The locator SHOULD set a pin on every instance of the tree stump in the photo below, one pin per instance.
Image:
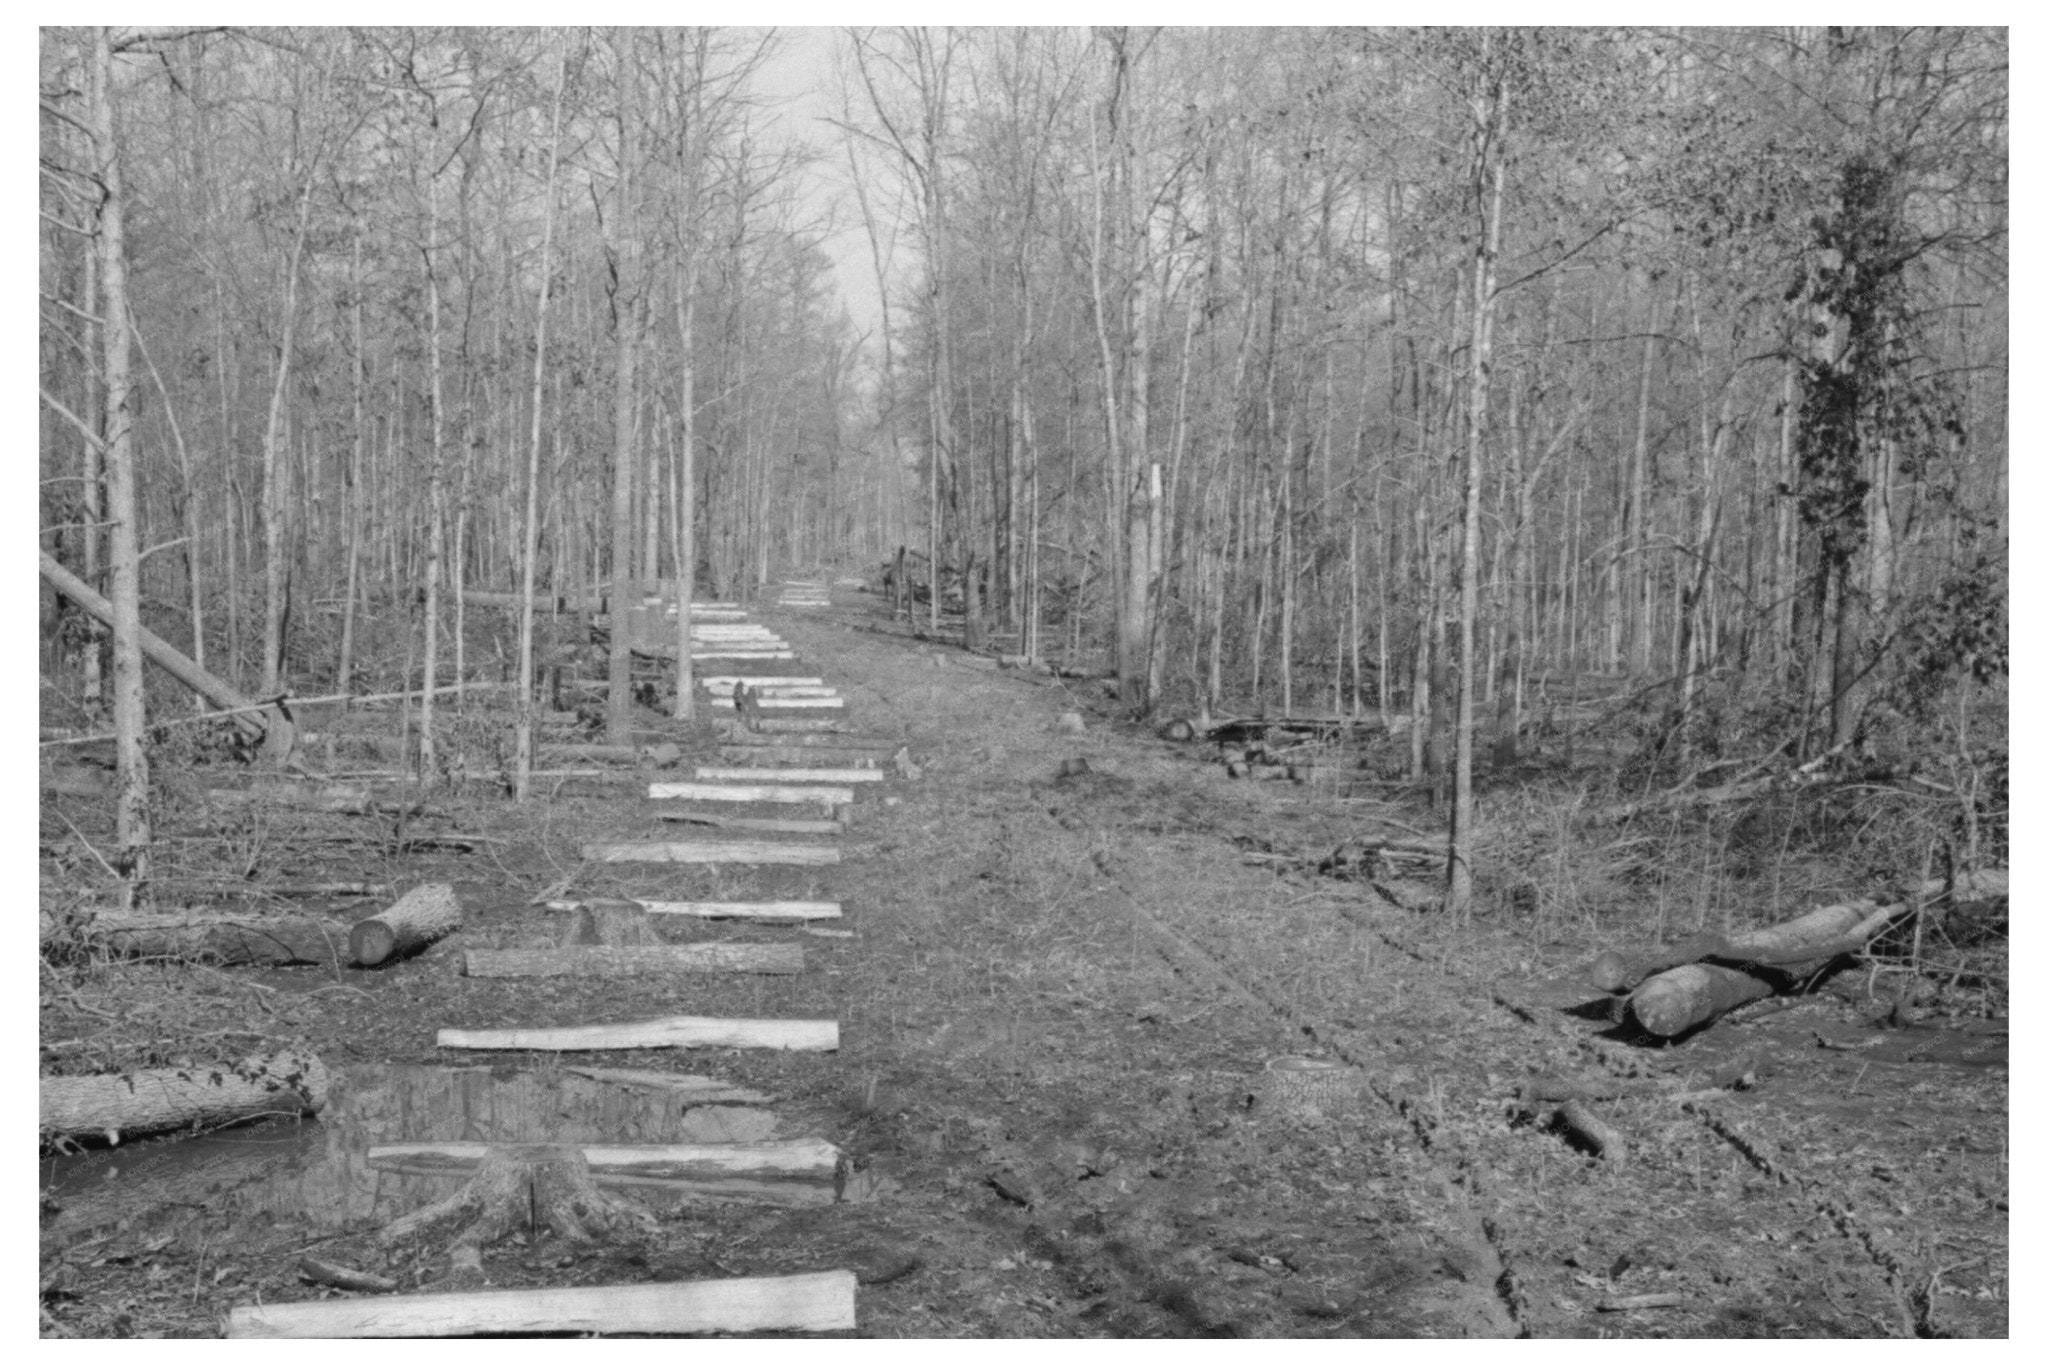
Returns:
(1310, 1090)
(523, 1189)
(610, 924)
(421, 916)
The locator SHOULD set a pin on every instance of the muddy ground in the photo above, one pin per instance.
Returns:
(1056, 1010)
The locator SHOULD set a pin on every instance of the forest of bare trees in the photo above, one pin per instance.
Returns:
(1374, 373)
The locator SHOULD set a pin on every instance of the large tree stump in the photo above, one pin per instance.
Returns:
(421, 916)
(1310, 1089)
(610, 924)
(523, 1188)
(172, 1097)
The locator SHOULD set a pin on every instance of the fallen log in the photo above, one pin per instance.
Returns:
(234, 940)
(668, 959)
(710, 851)
(819, 1302)
(290, 1082)
(790, 1035)
(275, 728)
(747, 910)
(794, 1171)
(1786, 944)
(1591, 1131)
(692, 1089)
(423, 915)
(753, 825)
(710, 790)
(781, 724)
(1781, 957)
(327, 798)
(725, 682)
(772, 760)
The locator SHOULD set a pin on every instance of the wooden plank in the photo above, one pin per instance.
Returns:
(695, 1089)
(796, 775)
(790, 1035)
(753, 654)
(773, 701)
(716, 791)
(766, 911)
(771, 762)
(714, 851)
(780, 959)
(723, 682)
(818, 1302)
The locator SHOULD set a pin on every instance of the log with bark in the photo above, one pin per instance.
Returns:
(235, 940)
(1746, 967)
(289, 1082)
(793, 1171)
(735, 735)
(424, 915)
(330, 798)
(791, 1035)
(709, 851)
(668, 959)
(818, 1302)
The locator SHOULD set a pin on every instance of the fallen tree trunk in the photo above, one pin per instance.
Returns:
(796, 1171)
(671, 958)
(329, 798)
(791, 1035)
(749, 910)
(1769, 960)
(820, 1302)
(423, 915)
(174, 1097)
(713, 791)
(709, 851)
(267, 718)
(208, 936)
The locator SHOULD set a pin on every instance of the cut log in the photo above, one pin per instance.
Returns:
(794, 1171)
(747, 910)
(781, 724)
(741, 655)
(707, 790)
(669, 959)
(207, 936)
(290, 1082)
(796, 775)
(725, 682)
(819, 1302)
(709, 851)
(427, 913)
(790, 1035)
(768, 762)
(693, 1089)
(1592, 1132)
(752, 825)
(1683, 998)
(733, 735)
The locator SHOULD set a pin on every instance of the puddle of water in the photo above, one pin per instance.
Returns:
(319, 1170)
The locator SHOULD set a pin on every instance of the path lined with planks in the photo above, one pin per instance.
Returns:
(809, 716)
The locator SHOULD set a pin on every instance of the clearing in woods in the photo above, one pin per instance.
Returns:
(1058, 987)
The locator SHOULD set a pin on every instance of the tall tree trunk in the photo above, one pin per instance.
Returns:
(625, 322)
(1490, 185)
(276, 580)
(131, 830)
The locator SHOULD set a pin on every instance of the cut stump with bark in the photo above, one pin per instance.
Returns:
(290, 1082)
(424, 915)
(1310, 1089)
(522, 1189)
(819, 1302)
(609, 924)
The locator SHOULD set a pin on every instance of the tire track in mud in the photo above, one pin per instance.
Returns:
(1459, 1182)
